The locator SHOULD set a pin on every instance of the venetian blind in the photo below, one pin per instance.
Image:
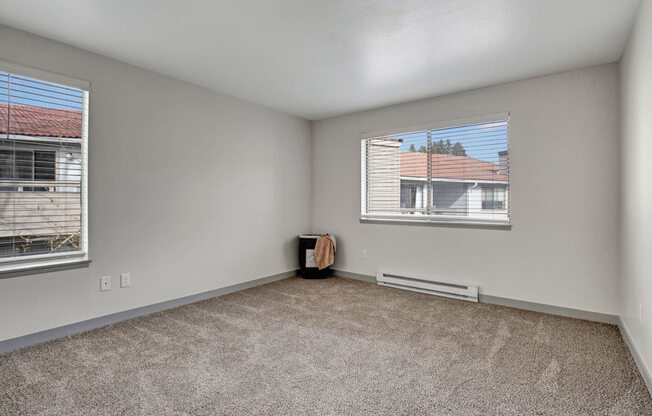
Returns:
(457, 173)
(42, 165)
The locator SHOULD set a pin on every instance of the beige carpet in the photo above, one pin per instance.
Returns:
(335, 346)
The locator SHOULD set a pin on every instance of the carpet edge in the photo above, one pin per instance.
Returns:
(23, 341)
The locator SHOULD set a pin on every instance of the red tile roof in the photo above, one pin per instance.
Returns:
(44, 122)
(415, 165)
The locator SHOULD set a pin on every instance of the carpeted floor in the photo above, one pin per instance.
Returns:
(334, 346)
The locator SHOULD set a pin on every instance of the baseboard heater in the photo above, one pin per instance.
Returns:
(415, 284)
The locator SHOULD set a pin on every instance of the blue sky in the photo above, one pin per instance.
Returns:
(27, 91)
(481, 141)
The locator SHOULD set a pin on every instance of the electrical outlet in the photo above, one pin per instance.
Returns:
(105, 283)
(364, 253)
(125, 280)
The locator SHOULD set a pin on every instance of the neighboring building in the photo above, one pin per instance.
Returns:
(397, 183)
(40, 178)
(383, 175)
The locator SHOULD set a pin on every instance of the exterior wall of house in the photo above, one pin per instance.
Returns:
(52, 210)
(49, 213)
(383, 177)
(455, 198)
(68, 169)
(67, 159)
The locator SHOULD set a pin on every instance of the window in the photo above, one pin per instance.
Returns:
(43, 165)
(452, 172)
(493, 197)
(27, 165)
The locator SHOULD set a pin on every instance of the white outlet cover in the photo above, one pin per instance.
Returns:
(105, 283)
(125, 280)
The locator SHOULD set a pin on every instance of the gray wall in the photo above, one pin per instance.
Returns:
(190, 190)
(636, 161)
(562, 249)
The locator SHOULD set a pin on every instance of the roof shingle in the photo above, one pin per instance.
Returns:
(42, 122)
(415, 165)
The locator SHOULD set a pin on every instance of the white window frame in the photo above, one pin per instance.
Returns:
(45, 262)
(366, 217)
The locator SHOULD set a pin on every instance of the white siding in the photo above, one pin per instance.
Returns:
(383, 176)
(68, 168)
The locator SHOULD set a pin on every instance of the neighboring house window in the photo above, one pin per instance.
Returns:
(493, 197)
(27, 165)
(453, 172)
(43, 165)
(411, 197)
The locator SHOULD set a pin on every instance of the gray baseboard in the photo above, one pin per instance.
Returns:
(645, 372)
(356, 276)
(551, 310)
(514, 303)
(67, 330)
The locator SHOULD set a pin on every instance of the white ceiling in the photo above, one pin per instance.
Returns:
(320, 58)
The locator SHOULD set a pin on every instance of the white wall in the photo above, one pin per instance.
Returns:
(636, 162)
(562, 249)
(190, 190)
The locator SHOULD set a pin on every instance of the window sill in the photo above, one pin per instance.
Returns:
(500, 225)
(36, 267)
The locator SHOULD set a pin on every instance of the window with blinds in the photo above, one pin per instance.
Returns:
(453, 172)
(42, 169)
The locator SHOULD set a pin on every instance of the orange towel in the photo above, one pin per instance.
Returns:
(324, 251)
